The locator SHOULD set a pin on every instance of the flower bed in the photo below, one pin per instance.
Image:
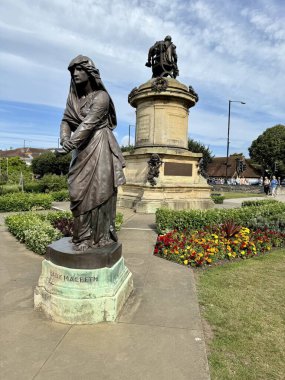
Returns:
(212, 244)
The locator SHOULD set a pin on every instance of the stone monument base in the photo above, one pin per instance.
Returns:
(178, 186)
(82, 296)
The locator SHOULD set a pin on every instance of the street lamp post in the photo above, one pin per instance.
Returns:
(228, 139)
(130, 133)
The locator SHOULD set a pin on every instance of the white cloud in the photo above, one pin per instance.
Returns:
(226, 50)
(127, 140)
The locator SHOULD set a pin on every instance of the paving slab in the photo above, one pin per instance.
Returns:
(124, 351)
(158, 335)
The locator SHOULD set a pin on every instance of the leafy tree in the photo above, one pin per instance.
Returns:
(11, 170)
(268, 150)
(127, 148)
(197, 147)
(48, 163)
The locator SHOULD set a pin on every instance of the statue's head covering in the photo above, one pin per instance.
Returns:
(96, 82)
(167, 38)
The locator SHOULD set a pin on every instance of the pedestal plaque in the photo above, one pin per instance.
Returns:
(82, 287)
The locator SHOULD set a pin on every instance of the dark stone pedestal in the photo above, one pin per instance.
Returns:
(61, 253)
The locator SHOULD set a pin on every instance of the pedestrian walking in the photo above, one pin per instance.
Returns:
(273, 186)
(266, 185)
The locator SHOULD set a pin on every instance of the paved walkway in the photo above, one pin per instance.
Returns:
(157, 336)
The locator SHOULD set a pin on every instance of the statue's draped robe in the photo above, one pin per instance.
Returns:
(96, 167)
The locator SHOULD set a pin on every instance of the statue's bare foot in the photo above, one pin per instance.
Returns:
(105, 242)
(81, 247)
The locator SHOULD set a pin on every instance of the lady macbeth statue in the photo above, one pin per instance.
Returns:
(96, 168)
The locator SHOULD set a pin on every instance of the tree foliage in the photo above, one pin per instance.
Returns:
(197, 147)
(127, 148)
(48, 163)
(11, 169)
(268, 150)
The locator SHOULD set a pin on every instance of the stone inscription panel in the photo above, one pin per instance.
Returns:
(81, 279)
(177, 169)
(143, 128)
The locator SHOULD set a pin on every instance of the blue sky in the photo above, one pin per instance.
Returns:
(226, 50)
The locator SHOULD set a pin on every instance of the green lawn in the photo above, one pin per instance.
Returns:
(244, 305)
(232, 195)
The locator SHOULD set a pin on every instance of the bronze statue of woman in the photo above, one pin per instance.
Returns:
(96, 168)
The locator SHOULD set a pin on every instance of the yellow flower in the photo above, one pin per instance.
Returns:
(185, 262)
(242, 252)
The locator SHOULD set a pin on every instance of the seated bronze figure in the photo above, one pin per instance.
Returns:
(162, 58)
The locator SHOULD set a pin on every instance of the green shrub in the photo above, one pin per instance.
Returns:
(32, 229)
(33, 187)
(25, 202)
(52, 216)
(168, 220)
(52, 182)
(218, 199)
(19, 223)
(257, 202)
(36, 229)
(119, 220)
(40, 236)
(60, 196)
(8, 189)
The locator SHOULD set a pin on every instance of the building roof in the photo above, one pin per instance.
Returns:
(217, 168)
(23, 152)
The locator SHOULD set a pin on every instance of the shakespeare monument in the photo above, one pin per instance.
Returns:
(161, 171)
(84, 279)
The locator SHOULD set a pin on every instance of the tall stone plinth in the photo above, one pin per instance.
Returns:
(82, 288)
(162, 109)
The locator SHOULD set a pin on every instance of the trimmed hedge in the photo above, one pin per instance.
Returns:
(36, 229)
(25, 202)
(8, 189)
(218, 199)
(270, 214)
(52, 182)
(33, 187)
(60, 196)
(257, 202)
